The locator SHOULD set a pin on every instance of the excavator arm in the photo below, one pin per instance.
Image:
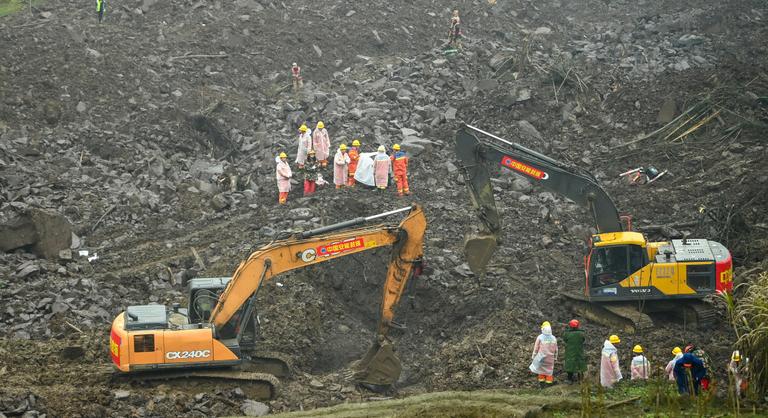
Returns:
(478, 150)
(379, 366)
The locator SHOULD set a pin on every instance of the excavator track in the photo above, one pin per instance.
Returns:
(620, 316)
(261, 386)
(700, 314)
(269, 362)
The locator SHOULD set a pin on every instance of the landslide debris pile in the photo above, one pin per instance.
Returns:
(149, 152)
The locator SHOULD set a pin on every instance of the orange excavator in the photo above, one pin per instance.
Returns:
(626, 276)
(214, 337)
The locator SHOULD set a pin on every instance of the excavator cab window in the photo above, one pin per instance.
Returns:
(144, 343)
(613, 264)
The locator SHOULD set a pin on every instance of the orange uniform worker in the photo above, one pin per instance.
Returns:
(354, 157)
(400, 169)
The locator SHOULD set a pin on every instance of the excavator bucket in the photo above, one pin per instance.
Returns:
(478, 249)
(379, 368)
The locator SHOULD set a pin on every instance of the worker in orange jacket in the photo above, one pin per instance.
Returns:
(400, 168)
(354, 157)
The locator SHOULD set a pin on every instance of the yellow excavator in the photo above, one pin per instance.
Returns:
(213, 338)
(626, 277)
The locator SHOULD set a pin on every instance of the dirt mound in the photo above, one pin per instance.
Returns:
(155, 134)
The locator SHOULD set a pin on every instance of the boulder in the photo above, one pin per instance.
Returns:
(44, 232)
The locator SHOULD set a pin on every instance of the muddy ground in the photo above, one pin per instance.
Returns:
(150, 151)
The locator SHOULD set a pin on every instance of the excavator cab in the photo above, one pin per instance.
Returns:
(607, 266)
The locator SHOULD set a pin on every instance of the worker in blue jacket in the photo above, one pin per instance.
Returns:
(689, 365)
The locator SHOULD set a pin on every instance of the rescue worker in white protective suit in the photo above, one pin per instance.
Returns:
(610, 373)
(739, 369)
(640, 367)
(670, 369)
(544, 356)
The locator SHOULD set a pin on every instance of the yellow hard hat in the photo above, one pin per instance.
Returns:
(546, 324)
(677, 350)
(382, 149)
(303, 128)
(637, 349)
(343, 147)
(396, 147)
(320, 125)
(282, 155)
(736, 356)
(355, 143)
(614, 339)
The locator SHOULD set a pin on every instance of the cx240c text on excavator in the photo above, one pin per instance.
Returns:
(214, 337)
(622, 268)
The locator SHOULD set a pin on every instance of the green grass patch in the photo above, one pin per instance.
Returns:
(10, 6)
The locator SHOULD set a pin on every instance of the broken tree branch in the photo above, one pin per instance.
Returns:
(109, 210)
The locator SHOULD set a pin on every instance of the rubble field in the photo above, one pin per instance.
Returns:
(128, 147)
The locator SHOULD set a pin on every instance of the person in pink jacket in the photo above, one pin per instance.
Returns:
(283, 175)
(341, 167)
(610, 372)
(670, 369)
(322, 143)
(381, 164)
(544, 356)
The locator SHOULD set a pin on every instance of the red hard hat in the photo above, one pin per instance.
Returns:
(574, 323)
(689, 348)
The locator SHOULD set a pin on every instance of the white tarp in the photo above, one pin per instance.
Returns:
(364, 171)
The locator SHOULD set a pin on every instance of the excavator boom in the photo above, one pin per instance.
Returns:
(476, 150)
(145, 329)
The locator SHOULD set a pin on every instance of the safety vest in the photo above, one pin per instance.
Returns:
(99, 4)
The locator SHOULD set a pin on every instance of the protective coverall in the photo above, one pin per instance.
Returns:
(340, 168)
(305, 144)
(670, 369)
(381, 170)
(738, 369)
(322, 145)
(610, 373)
(687, 365)
(354, 157)
(544, 356)
(283, 174)
(298, 82)
(640, 368)
(704, 357)
(575, 363)
(400, 168)
(310, 175)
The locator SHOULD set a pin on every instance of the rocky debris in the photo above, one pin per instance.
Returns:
(254, 409)
(187, 160)
(44, 232)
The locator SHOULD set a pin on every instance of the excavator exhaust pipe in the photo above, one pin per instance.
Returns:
(380, 368)
(478, 249)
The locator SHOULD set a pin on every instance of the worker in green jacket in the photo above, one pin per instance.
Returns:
(575, 363)
(100, 5)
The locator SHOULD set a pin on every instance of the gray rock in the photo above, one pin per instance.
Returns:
(450, 114)
(451, 167)
(121, 394)
(390, 93)
(487, 84)
(59, 307)
(318, 51)
(668, 111)
(300, 214)
(377, 39)
(523, 95)
(690, 40)
(546, 241)
(27, 269)
(254, 409)
(681, 65)
(529, 130)
(542, 30)
(220, 202)
(80, 107)
(314, 383)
